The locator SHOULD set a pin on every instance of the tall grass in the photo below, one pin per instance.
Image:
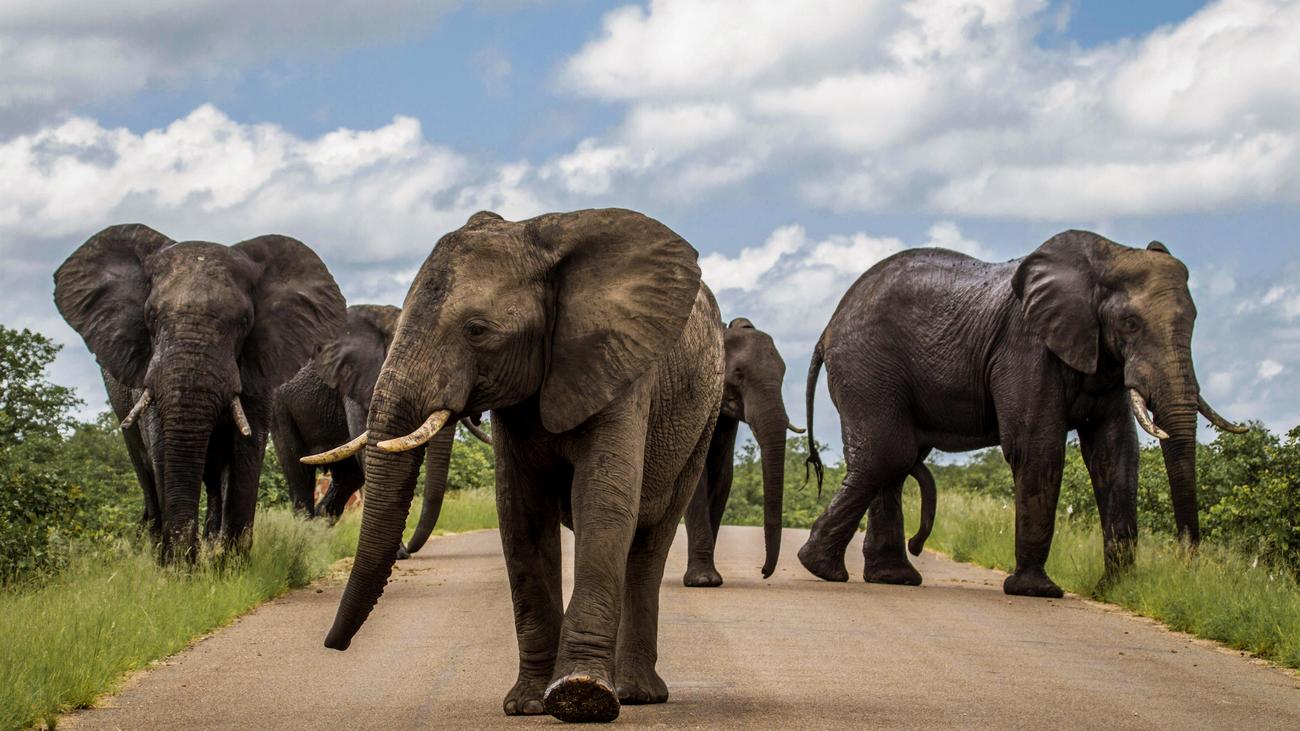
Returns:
(113, 610)
(1217, 593)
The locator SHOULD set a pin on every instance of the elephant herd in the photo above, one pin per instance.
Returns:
(615, 394)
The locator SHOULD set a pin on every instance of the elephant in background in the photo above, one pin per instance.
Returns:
(193, 338)
(598, 350)
(931, 349)
(753, 375)
(325, 404)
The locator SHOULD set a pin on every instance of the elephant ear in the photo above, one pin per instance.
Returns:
(101, 290)
(297, 309)
(1058, 290)
(625, 286)
(351, 363)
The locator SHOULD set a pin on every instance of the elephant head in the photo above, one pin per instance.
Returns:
(198, 327)
(1103, 308)
(752, 394)
(352, 361)
(557, 314)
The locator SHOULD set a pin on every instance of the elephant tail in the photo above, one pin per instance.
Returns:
(814, 459)
(922, 475)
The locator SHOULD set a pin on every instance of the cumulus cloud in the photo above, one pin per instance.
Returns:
(955, 108)
(1269, 369)
(371, 202)
(55, 54)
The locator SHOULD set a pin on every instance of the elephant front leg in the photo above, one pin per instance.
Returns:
(1110, 451)
(700, 571)
(605, 498)
(530, 534)
(883, 548)
(240, 502)
(1037, 466)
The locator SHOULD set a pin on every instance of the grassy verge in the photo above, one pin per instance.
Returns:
(1217, 594)
(114, 610)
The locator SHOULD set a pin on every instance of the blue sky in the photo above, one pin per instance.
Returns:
(792, 144)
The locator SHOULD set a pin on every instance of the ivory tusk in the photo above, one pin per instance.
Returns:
(1218, 420)
(795, 429)
(1143, 415)
(241, 421)
(136, 410)
(337, 453)
(418, 437)
(477, 431)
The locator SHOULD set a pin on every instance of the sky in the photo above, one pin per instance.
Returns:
(793, 144)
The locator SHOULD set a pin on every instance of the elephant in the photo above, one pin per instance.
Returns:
(326, 403)
(931, 349)
(193, 338)
(753, 375)
(596, 347)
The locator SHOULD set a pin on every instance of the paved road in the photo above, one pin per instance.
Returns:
(792, 652)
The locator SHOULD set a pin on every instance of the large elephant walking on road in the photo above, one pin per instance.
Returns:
(193, 339)
(598, 350)
(931, 349)
(325, 404)
(753, 376)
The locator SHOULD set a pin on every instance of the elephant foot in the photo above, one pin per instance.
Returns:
(581, 697)
(902, 574)
(1031, 582)
(706, 576)
(641, 687)
(525, 699)
(822, 565)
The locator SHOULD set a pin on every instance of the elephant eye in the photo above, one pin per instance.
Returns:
(1131, 324)
(475, 329)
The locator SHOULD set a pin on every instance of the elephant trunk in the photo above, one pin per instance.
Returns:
(1176, 406)
(437, 462)
(1179, 451)
(768, 419)
(404, 398)
(187, 418)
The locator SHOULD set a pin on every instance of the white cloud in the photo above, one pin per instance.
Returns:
(59, 53)
(1269, 369)
(953, 107)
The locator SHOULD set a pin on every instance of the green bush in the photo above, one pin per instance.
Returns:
(1262, 513)
(473, 466)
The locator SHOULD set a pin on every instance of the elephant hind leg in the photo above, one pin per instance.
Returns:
(869, 474)
(637, 680)
(884, 558)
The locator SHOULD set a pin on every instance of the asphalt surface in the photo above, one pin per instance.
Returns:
(791, 652)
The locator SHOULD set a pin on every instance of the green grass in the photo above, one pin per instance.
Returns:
(1217, 593)
(113, 610)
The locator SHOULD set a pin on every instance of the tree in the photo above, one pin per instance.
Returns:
(30, 405)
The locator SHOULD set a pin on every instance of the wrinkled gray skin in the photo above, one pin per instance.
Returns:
(753, 375)
(197, 324)
(592, 341)
(931, 349)
(325, 405)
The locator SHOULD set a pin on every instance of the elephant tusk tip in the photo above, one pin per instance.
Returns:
(796, 430)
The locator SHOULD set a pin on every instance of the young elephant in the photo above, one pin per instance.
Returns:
(752, 393)
(931, 349)
(326, 403)
(599, 352)
(193, 339)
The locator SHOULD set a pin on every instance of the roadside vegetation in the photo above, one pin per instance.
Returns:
(1239, 588)
(83, 601)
